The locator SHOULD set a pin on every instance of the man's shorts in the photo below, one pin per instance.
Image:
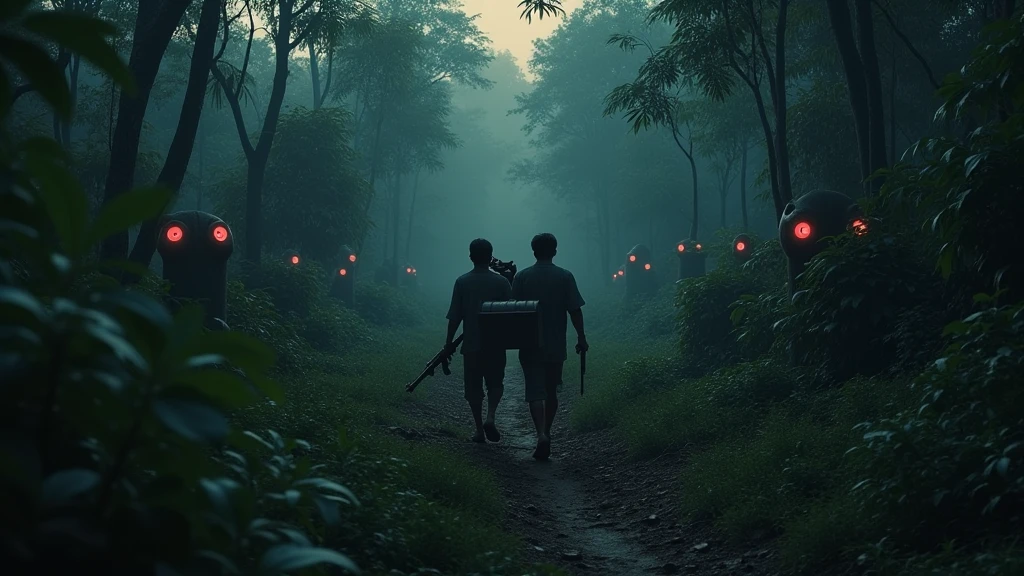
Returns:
(483, 366)
(542, 378)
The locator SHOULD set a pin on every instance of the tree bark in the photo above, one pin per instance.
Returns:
(180, 152)
(154, 26)
(842, 29)
(396, 208)
(873, 81)
(314, 74)
(781, 141)
(743, 184)
(412, 212)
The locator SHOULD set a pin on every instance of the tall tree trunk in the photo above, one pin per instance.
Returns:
(261, 154)
(605, 213)
(180, 152)
(412, 212)
(314, 74)
(154, 26)
(693, 174)
(743, 184)
(781, 140)
(200, 189)
(873, 81)
(396, 207)
(893, 78)
(842, 29)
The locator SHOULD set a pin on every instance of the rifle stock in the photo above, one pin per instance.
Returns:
(439, 359)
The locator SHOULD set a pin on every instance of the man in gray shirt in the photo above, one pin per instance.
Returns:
(556, 290)
(477, 286)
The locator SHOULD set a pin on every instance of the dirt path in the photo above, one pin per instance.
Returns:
(589, 510)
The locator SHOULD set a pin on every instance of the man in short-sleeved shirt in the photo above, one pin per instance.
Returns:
(471, 290)
(556, 289)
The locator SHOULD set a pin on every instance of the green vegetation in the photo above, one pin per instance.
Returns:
(874, 420)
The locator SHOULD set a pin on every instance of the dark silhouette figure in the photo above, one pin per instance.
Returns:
(195, 247)
(555, 288)
(742, 248)
(692, 259)
(481, 365)
(810, 218)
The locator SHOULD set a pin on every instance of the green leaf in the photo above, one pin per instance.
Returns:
(62, 486)
(138, 304)
(217, 384)
(66, 203)
(36, 66)
(128, 209)
(192, 420)
(324, 484)
(85, 36)
(243, 351)
(290, 557)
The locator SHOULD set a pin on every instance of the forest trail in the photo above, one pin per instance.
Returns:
(588, 510)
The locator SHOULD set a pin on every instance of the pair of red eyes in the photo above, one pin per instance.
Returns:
(410, 270)
(802, 230)
(682, 247)
(220, 234)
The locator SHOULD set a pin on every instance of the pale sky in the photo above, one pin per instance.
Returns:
(499, 20)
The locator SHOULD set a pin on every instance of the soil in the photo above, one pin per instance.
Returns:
(589, 509)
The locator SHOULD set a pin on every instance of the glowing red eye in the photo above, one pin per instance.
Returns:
(620, 272)
(741, 246)
(175, 233)
(295, 259)
(220, 234)
(647, 266)
(860, 227)
(408, 270)
(632, 258)
(802, 230)
(698, 247)
(342, 272)
(351, 257)
(681, 248)
(413, 270)
(614, 276)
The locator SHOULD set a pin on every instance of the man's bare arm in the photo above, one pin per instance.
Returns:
(576, 316)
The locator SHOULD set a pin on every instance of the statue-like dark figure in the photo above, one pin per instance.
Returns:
(195, 247)
(692, 259)
(343, 284)
(742, 248)
(811, 217)
(639, 276)
(291, 258)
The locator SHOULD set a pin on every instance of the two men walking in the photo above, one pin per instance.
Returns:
(556, 290)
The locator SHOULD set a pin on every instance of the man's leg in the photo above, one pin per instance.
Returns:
(533, 374)
(552, 380)
(474, 384)
(495, 390)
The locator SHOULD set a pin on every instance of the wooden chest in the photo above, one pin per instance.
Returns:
(510, 325)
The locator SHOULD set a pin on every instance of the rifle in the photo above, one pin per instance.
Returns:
(439, 359)
(506, 269)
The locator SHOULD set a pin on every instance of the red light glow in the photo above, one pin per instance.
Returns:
(802, 230)
(295, 259)
(620, 272)
(408, 270)
(632, 257)
(681, 248)
(175, 234)
(741, 246)
(351, 257)
(220, 234)
(413, 270)
(699, 247)
(614, 276)
(647, 266)
(342, 272)
(859, 226)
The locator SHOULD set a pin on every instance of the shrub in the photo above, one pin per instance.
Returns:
(383, 305)
(114, 408)
(954, 464)
(706, 337)
(852, 294)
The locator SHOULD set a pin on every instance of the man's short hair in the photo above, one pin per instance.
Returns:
(480, 252)
(544, 246)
